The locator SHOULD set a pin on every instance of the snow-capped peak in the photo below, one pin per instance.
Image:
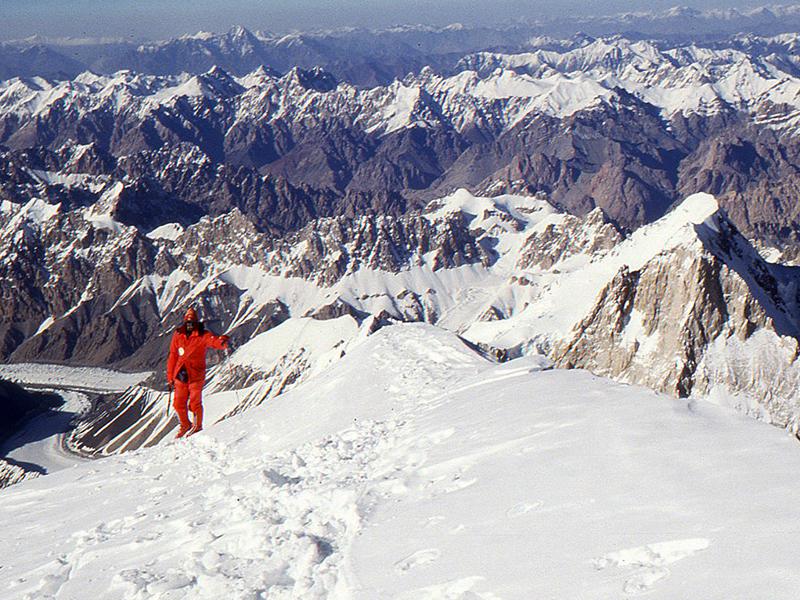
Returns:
(488, 89)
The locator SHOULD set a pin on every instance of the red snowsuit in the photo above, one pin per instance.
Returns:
(188, 353)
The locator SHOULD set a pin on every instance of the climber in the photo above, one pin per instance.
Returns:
(186, 369)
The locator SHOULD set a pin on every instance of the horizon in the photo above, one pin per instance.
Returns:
(149, 20)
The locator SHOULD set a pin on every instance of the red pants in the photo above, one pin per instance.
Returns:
(192, 394)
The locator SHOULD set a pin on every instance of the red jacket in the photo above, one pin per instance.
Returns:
(190, 352)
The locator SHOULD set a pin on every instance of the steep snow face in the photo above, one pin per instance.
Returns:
(170, 231)
(309, 334)
(412, 468)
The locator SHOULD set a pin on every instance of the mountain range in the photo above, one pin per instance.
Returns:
(611, 123)
(621, 205)
(370, 57)
(685, 305)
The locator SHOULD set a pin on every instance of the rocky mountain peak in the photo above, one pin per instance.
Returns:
(666, 321)
(220, 83)
(315, 79)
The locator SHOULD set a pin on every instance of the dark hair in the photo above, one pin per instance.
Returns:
(198, 325)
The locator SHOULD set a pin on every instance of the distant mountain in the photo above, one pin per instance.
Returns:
(375, 57)
(611, 123)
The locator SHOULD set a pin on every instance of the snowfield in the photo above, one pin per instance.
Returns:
(414, 469)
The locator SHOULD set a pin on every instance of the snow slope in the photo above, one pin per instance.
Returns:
(414, 469)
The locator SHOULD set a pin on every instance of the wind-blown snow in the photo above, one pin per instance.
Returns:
(320, 342)
(412, 468)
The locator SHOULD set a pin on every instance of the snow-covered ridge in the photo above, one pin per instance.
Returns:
(686, 79)
(413, 468)
(488, 89)
(569, 296)
(502, 98)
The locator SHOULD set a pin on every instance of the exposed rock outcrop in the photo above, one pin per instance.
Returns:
(710, 318)
(11, 474)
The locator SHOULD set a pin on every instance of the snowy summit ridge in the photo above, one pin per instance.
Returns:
(420, 489)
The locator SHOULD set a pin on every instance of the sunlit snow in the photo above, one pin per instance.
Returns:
(413, 468)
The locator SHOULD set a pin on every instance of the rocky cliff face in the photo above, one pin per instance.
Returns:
(706, 318)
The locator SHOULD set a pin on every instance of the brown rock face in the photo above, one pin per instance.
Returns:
(11, 474)
(755, 176)
(701, 320)
(558, 241)
(651, 326)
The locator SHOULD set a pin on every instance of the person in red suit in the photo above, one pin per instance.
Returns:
(186, 369)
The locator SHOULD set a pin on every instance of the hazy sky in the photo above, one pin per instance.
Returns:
(158, 19)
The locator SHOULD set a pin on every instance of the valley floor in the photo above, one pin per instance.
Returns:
(40, 443)
(414, 469)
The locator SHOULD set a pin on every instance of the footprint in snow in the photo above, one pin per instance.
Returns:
(456, 484)
(456, 589)
(434, 520)
(418, 558)
(649, 562)
(644, 580)
(448, 484)
(50, 585)
(440, 436)
(523, 508)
